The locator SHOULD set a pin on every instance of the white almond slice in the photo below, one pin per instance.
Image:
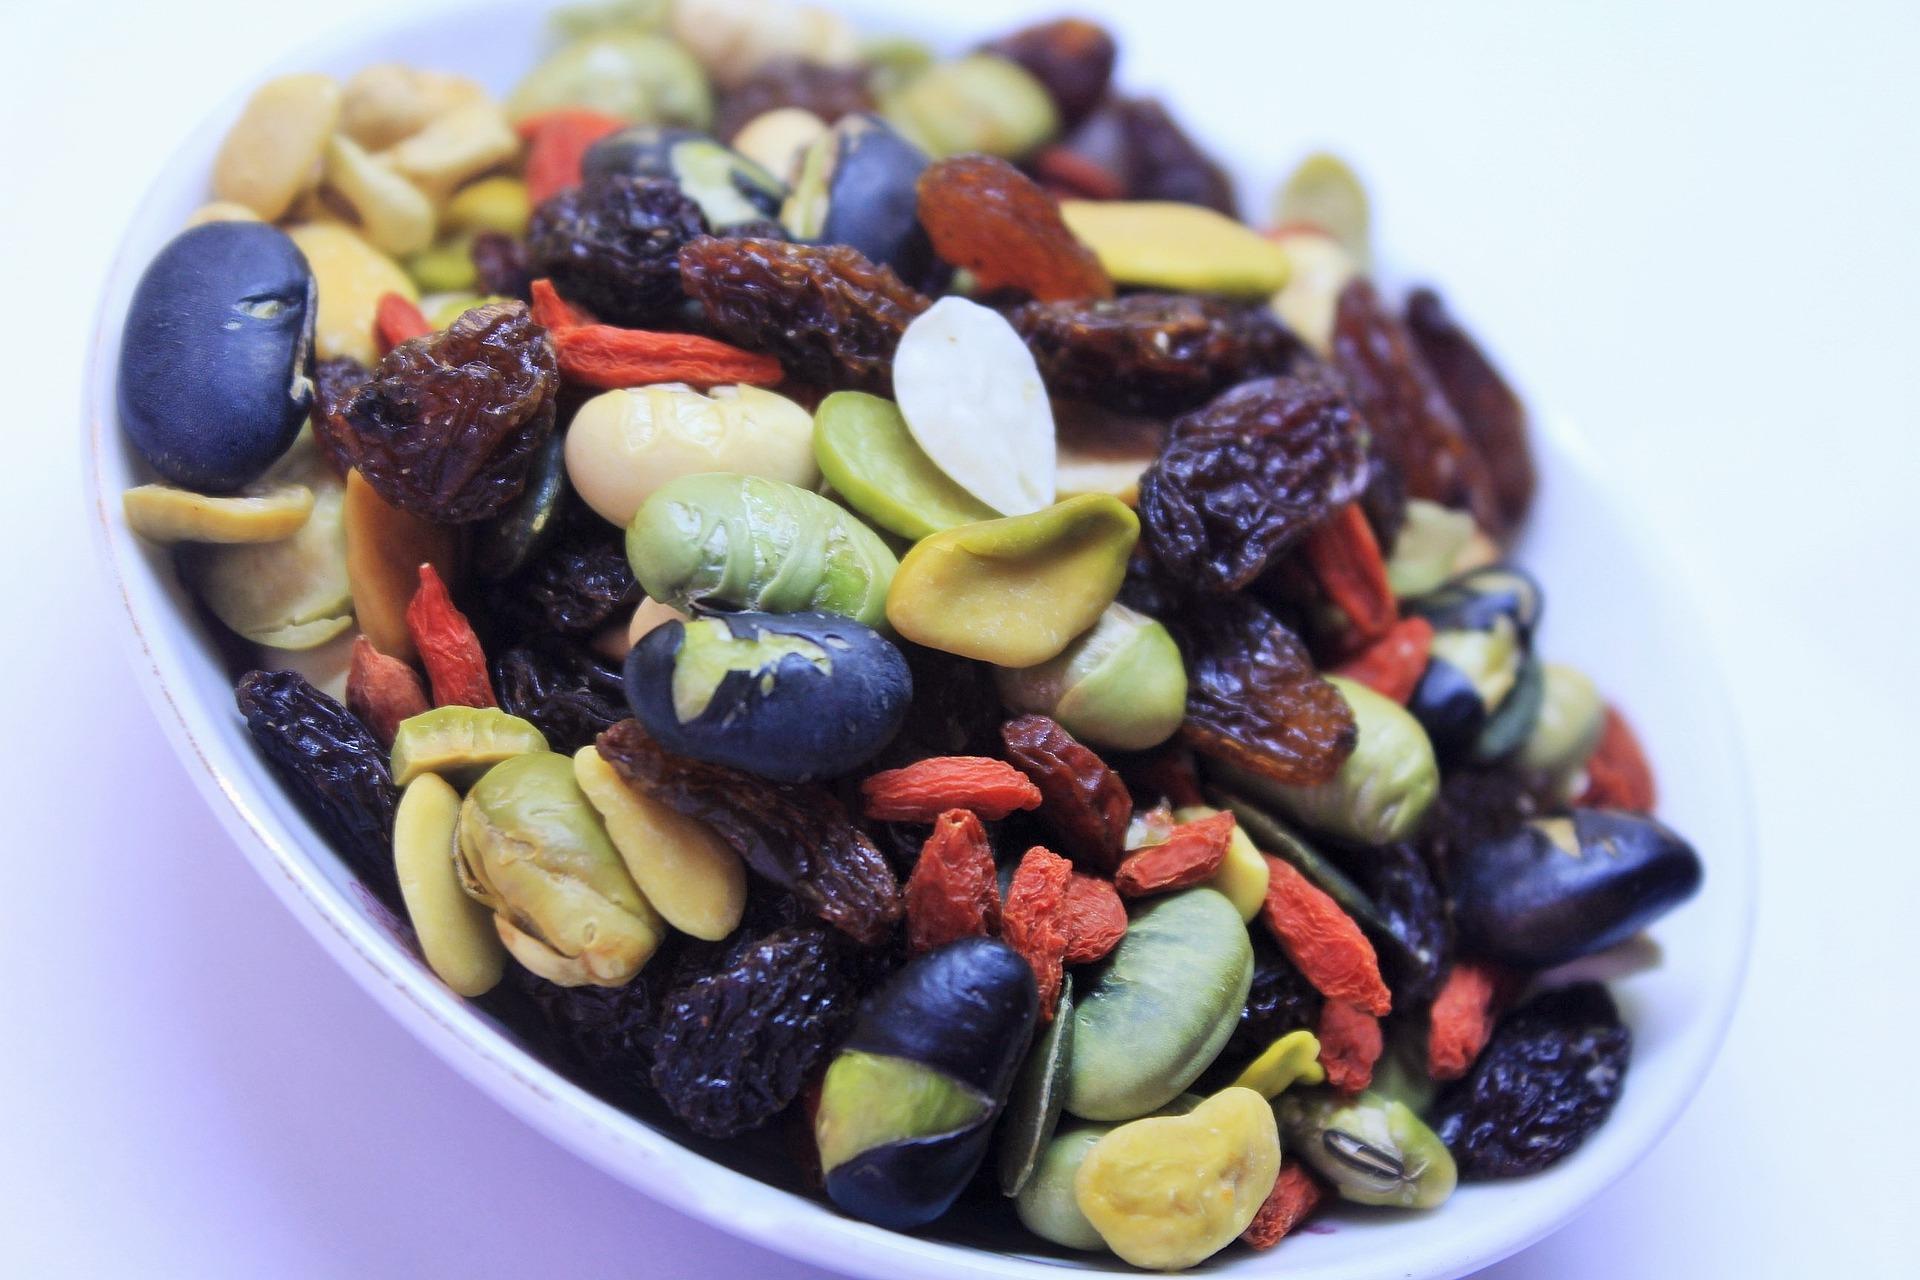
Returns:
(973, 399)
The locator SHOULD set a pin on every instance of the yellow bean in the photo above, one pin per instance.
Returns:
(350, 275)
(272, 153)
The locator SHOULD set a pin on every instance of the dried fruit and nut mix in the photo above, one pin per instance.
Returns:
(845, 591)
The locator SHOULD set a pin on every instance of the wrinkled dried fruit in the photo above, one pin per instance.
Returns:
(607, 1033)
(1392, 665)
(334, 382)
(456, 667)
(570, 695)
(1159, 353)
(1548, 1078)
(1323, 941)
(1254, 699)
(334, 767)
(599, 355)
(1154, 158)
(1404, 406)
(382, 691)
(1410, 928)
(988, 217)
(500, 265)
(613, 246)
(1618, 775)
(925, 789)
(1096, 919)
(1350, 1043)
(954, 891)
(1475, 806)
(829, 92)
(1072, 59)
(1190, 855)
(1495, 420)
(734, 1047)
(1244, 478)
(449, 424)
(829, 315)
(579, 583)
(1083, 800)
(1281, 1000)
(1295, 1195)
(1461, 1020)
(796, 835)
(1035, 919)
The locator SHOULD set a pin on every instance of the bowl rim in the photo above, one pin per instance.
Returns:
(651, 1161)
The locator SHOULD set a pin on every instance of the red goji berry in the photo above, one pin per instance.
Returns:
(1296, 1194)
(1096, 919)
(456, 667)
(1192, 853)
(1461, 1020)
(1323, 942)
(554, 312)
(923, 790)
(1392, 665)
(1350, 1045)
(954, 891)
(600, 355)
(396, 320)
(1618, 775)
(1033, 920)
(1345, 557)
(1070, 175)
(557, 143)
(381, 690)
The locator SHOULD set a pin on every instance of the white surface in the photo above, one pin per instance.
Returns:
(1713, 272)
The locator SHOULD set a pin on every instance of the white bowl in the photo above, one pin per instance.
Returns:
(1612, 610)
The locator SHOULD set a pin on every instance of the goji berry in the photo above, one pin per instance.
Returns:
(1065, 172)
(1345, 557)
(1034, 920)
(396, 320)
(1296, 1194)
(1461, 1020)
(1096, 919)
(381, 690)
(1191, 853)
(456, 667)
(922, 791)
(1350, 1045)
(557, 143)
(600, 355)
(1323, 942)
(1618, 775)
(553, 311)
(954, 891)
(1392, 665)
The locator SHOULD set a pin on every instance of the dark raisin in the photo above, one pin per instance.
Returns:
(1082, 800)
(605, 1033)
(758, 229)
(1384, 500)
(575, 585)
(830, 315)
(500, 263)
(733, 1048)
(334, 767)
(613, 246)
(567, 693)
(1163, 163)
(1279, 1000)
(1155, 353)
(1404, 406)
(1243, 479)
(796, 835)
(955, 712)
(448, 426)
(334, 382)
(1547, 1079)
(1415, 944)
(828, 92)
(1254, 699)
(1495, 420)
(1476, 806)
(1071, 57)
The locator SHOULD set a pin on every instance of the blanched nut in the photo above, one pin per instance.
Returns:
(389, 101)
(651, 613)
(350, 275)
(260, 513)
(735, 38)
(221, 211)
(459, 943)
(779, 140)
(1321, 269)
(1169, 1191)
(395, 215)
(272, 153)
(460, 144)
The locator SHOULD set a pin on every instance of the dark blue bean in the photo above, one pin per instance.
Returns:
(873, 201)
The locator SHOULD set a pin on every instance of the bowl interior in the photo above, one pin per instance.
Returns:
(1612, 610)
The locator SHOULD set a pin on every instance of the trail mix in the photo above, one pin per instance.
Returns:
(847, 593)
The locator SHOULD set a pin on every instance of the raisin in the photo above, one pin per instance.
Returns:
(734, 1048)
(1253, 697)
(1279, 1000)
(334, 382)
(988, 217)
(1072, 58)
(1385, 497)
(1159, 353)
(827, 91)
(613, 246)
(1247, 476)
(1415, 944)
(798, 836)
(449, 425)
(1404, 406)
(336, 770)
(606, 1033)
(1082, 800)
(567, 693)
(1158, 159)
(954, 891)
(577, 584)
(1547, 1079)
(1475, 806)
(1495, 420)
(500, 266)
(829, 314)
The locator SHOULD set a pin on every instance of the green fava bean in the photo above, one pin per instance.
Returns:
(742, 542)
(1046, 1202)
(1015, 591)
(460, 743)
(1121, 684)
(870, 458)
(1373, 1149)
(981, 102)
(1156, 1012)
(635, 75)
(1568, 726)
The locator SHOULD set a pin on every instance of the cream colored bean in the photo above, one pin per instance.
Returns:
(735, 38)
(350, 275)
(272, 153)
(651, 614)
(456, 933)
(221, 211)
(778, 140)
(625, 444)
(455, 146)
(395, 215)
(389, 101)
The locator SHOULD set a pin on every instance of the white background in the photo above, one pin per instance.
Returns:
(1691, 228)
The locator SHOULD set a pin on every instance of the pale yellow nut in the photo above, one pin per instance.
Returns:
(1292, 1059)
(221, 211)
(395, 216)
(350, 276)
(272, 153)
(1186, 247)
(456, 933)
(461, 144)
(389, 101)
(735, 38)
(693, 878)
(651, 613)
(1324, 192)
(497, 204)
(778, 140)
(162, 513)
(1310, 299)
